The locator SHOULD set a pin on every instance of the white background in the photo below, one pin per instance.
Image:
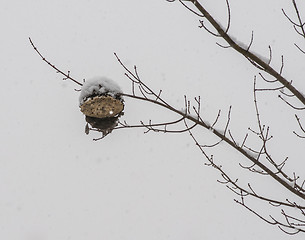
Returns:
(56, 183)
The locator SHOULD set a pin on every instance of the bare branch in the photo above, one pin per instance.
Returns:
(191, 10)
(303, 51)
(289, 104)
(229, 16)
(254, 59)
(66, 75)
(298, 26)
(221, 136)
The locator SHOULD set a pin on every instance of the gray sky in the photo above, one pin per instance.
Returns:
(56, 183)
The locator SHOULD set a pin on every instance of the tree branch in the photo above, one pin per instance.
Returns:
(257, 61)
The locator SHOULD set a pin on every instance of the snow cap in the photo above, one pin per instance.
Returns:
(99, 86)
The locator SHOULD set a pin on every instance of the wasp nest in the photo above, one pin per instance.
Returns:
(102, 104)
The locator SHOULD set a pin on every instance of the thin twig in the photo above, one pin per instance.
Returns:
(67, 75)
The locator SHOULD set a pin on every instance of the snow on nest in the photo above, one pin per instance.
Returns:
(99, 86)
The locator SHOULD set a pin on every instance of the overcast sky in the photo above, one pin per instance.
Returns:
(56, 183)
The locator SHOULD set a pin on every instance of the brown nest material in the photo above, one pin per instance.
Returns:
(102, 107)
